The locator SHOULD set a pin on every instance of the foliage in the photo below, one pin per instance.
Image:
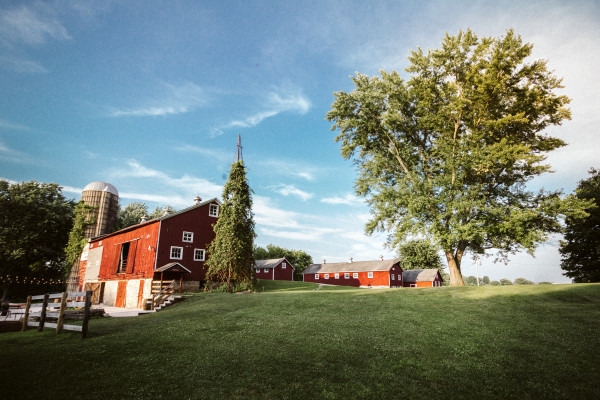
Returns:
(298, 258)
(522, 342)
(505, 282)
(471, 280)
(485, 280)
(495, 283)
(35, 220)
(77, 238)
(418, 254)
(230, 257)
(522, 281)
(545, 283)
(447, 154)
(133, 212)
(581, 248)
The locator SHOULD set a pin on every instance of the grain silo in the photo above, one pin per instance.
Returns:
(105, 198)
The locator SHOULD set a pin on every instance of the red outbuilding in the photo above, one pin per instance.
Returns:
(371, 274)
(121, 267)
(422, 278)
(277, 269)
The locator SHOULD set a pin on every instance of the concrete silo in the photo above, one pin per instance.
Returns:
(105, 198)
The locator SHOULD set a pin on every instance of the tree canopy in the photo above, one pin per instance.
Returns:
(419, 253)
(298, 258)
(447, 153)
(35, 220)
(133, 212)
(230, 256)
(580, 249)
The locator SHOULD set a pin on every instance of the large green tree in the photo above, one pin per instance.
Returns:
(419, 253)
(298, 258)
(83, 218)
(230, 256)
(35, 220)
(580, 249)
(447, 154)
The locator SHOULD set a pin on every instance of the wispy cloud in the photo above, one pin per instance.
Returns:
(14, 156)
(177, 100)
(291, 190)
(289, 168)
(12, 126)
(30, 26)
(275, 104)
(348, 199)
(216, 154)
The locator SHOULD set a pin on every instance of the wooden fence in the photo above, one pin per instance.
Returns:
(49, 311)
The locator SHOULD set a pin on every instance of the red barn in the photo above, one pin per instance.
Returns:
(277, 269)
(422, 278)
(372, 274)
(120, 267)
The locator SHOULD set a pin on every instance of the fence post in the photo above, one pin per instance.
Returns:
(26, 316)
(43, 315)
(86, 314)
(61, 313)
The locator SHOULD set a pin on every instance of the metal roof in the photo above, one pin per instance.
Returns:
(356, 266)
(168, 266)
(420, 275)
(272, 263)
(100, 186)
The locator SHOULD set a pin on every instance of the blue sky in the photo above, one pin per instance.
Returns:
(151, 95)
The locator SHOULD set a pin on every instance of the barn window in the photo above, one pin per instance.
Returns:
(316, 276)
(265, 270)
(337, 276)
(122, 267)
(370, 275)
(213, 211)
(347, 275)
(188, 236)
(393, 277)
(199, 254)
(326, 276)
(176, 253)
(355, 275)
(283, 265)
(413, 285)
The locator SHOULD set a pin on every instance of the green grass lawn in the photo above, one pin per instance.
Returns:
(488, 342)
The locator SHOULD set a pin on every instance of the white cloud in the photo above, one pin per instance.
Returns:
(22, 65)
(291, 190)
(171, 100)
(30, 26)
(275, 104)
(289, 168)
(348, 199)
(216, 154)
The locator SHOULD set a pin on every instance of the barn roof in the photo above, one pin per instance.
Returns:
(420, 275)
(272, 263)
(357, 266)
(152, 221)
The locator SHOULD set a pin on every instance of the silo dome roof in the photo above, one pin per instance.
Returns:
(99, 186)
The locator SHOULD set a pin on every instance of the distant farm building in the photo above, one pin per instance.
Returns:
(277, 269)
(122, 267)
(422, 278)
(371, 274)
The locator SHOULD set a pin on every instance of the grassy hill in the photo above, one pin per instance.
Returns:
(291, 341)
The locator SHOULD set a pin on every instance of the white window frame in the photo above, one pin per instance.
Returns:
(283, 266)
(265, 269)
(413, 285)
(180, 253)
(199, 258)
(393, 277)
(355, 275)
(326, 276)
(337, 276)
(316, 276)
(188, 237)
(213, 210)
(370, 275)
(346, 275)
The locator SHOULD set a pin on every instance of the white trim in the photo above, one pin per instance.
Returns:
(355, 275)
(316, 276)
(212, 213)
(171, 253)
(191, 239)
(346, 275)
(370, 275)
(203, 258)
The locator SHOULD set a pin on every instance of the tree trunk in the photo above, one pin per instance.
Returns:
(456, 278)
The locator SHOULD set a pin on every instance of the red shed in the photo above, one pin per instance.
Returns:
(372, 274)
(121, 267)
(277, 269)
(422, 278)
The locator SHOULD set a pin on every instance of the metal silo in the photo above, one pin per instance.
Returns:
(105, 198)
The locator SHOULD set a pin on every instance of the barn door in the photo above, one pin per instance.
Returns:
(121, 293)
(95, 288)
(140, 303)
